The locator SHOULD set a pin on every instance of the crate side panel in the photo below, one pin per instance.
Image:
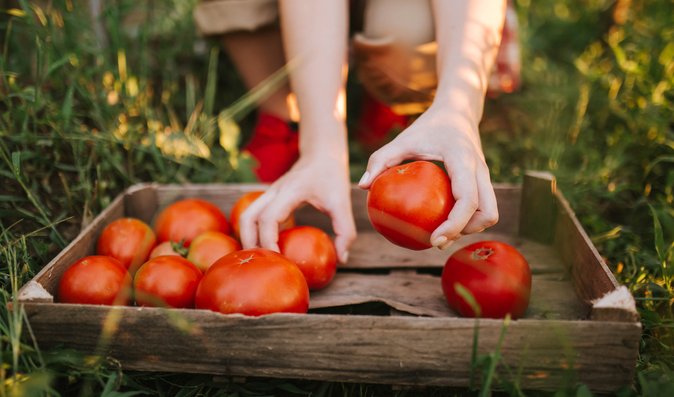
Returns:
(222, 195)
(591, 276)
(84, 244)
(538, 207)
(394, 350)
(141, 202)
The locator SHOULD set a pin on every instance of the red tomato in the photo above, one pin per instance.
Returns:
(495, 273)
(96, 280)
(243, 202)
(209, 247)
(165, 248)
(184, 220)
(313, 252)
(408, 202)
(253, 282)
(128, 240)
(167, 280)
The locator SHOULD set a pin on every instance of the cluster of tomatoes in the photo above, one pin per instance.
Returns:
(192, 258)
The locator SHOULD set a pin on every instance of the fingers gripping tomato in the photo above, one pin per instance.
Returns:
(408, 202)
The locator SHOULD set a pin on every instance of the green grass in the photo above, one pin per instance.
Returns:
(79, 122)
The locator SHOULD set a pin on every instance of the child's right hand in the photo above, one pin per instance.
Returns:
(319, 180)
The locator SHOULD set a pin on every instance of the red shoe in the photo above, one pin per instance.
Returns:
(377, 124)
(274, 145)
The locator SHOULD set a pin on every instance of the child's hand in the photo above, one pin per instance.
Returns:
(443, 135)
(318, 180)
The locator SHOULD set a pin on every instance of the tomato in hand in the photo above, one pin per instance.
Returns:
(314, 253)
(167, 281)
(184, 220)
(208, 247)
(246, 200)
(128, 240)
(496, 275)
(96, 280)
(167, 248)
(253, 282)
(408, 202)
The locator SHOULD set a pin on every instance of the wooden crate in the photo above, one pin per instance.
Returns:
(383, 319)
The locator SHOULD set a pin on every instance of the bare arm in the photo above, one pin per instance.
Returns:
(315, 40)
(467, 33)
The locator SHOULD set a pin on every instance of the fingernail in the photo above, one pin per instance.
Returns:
(345, 257)
(365, 178)
(439, 241)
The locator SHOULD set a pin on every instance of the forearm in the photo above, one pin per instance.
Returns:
(315, 39)
(468, 34)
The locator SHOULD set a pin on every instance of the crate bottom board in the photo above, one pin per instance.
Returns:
(415, 288)
(370, 349)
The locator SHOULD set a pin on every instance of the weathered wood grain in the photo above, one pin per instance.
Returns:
(592, 278)
(141, 201)
(552, 295)
(394, 350)
(538, 206)
(373, 251)
(589, 271)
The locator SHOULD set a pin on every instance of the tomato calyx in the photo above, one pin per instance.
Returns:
(179, 248)
(482, 253)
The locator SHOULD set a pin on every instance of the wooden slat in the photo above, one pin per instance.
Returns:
(418, 294)
(421, 294)
(538, 207)
(591, 276)
(222, 195)
(508, 198)
(140, 201)
(372, 251)
(394, 350)
(84, 244)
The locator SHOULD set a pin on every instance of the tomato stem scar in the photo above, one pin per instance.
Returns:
(246, 260)
(482, 253)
